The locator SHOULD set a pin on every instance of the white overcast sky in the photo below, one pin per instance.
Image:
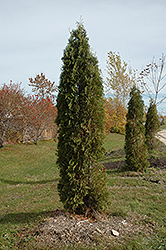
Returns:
(34, 33)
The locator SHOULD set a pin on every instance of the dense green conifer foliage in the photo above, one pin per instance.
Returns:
(80, 118)
(135, 147)
(151, 126)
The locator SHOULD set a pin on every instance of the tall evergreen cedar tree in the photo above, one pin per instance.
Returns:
(152, 125)
(82, 186)
(135, 147)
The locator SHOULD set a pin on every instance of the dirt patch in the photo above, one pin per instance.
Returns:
(114, 165)
(154, 163)
(64, 228)
(158, 163)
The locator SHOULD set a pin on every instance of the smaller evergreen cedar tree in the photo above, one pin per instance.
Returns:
(80, 105)
(152, 125)
(135, 147)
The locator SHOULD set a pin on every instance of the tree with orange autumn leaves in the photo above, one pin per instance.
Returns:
(43, 110)
(40, 116)
(25, 118)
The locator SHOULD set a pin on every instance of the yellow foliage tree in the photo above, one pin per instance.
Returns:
(120, 77)
(115, 116)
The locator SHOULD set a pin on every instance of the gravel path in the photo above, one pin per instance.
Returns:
(162, 136)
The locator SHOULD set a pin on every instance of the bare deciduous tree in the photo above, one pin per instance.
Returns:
(152, 79)
(42, 87)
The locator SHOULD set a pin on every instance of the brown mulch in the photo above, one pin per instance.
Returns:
(63, 228)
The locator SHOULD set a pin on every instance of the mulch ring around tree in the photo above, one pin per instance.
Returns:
(62, 228)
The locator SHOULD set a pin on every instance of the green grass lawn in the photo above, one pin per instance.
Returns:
(28, 191)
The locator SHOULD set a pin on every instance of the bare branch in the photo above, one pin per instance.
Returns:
(161, 101)
(152, 76)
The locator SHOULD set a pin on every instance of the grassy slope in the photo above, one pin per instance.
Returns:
(28, 191)
(28, 186)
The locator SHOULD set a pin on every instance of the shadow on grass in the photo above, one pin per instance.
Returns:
(28, 182)
(17, 218)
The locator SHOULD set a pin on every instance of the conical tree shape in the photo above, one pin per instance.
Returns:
(80, 118)
(152, 125)
(135, 147)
